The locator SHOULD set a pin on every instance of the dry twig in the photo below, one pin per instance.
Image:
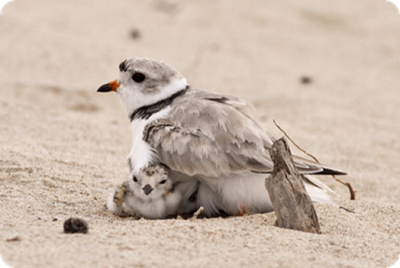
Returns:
(197, 213)
(352, 192)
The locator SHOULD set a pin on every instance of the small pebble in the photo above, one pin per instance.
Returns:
(14, 239)
(306, 80)
(75, 225)
(135, 34)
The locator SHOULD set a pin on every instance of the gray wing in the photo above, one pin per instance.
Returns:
(212, 135)
(209, 134)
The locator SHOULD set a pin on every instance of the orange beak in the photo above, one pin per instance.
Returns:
(112, 86)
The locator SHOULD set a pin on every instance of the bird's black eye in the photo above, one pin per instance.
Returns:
(134, 179)
(138, 77)
(163, 181)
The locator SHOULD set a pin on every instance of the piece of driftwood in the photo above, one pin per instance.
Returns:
(292, 204)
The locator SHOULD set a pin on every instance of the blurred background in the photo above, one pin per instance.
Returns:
(326, 71)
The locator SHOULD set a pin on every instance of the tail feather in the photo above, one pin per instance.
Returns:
(306, 166)
(319, 195)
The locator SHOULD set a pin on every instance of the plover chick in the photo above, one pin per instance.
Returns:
(149, 193)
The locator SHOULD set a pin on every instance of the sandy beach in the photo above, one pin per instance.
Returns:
(327, 71)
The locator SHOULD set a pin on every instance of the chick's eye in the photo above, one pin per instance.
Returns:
(134, 179)
(138, 77)
(163, 181)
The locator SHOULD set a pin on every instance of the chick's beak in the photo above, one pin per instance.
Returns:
(112, 86)
(147, 189)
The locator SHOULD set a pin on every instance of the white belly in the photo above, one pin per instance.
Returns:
(235, 195)
(142, 154)
(238, 194)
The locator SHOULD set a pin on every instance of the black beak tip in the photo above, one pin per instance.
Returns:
(104, 88)
(147, 189)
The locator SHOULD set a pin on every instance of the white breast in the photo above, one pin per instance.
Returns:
(142, 154)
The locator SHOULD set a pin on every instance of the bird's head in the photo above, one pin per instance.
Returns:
(150, 183)
(142, 82)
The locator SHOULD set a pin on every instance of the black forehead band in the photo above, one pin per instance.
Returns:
(123, 67)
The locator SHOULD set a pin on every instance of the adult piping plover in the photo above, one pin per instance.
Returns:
(149, 193)
(200, 135)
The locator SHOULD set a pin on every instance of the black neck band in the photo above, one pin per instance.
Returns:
(146, 111)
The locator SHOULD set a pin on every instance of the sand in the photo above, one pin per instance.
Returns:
(63, 145)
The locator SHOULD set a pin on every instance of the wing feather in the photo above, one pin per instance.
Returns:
(211, 135)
